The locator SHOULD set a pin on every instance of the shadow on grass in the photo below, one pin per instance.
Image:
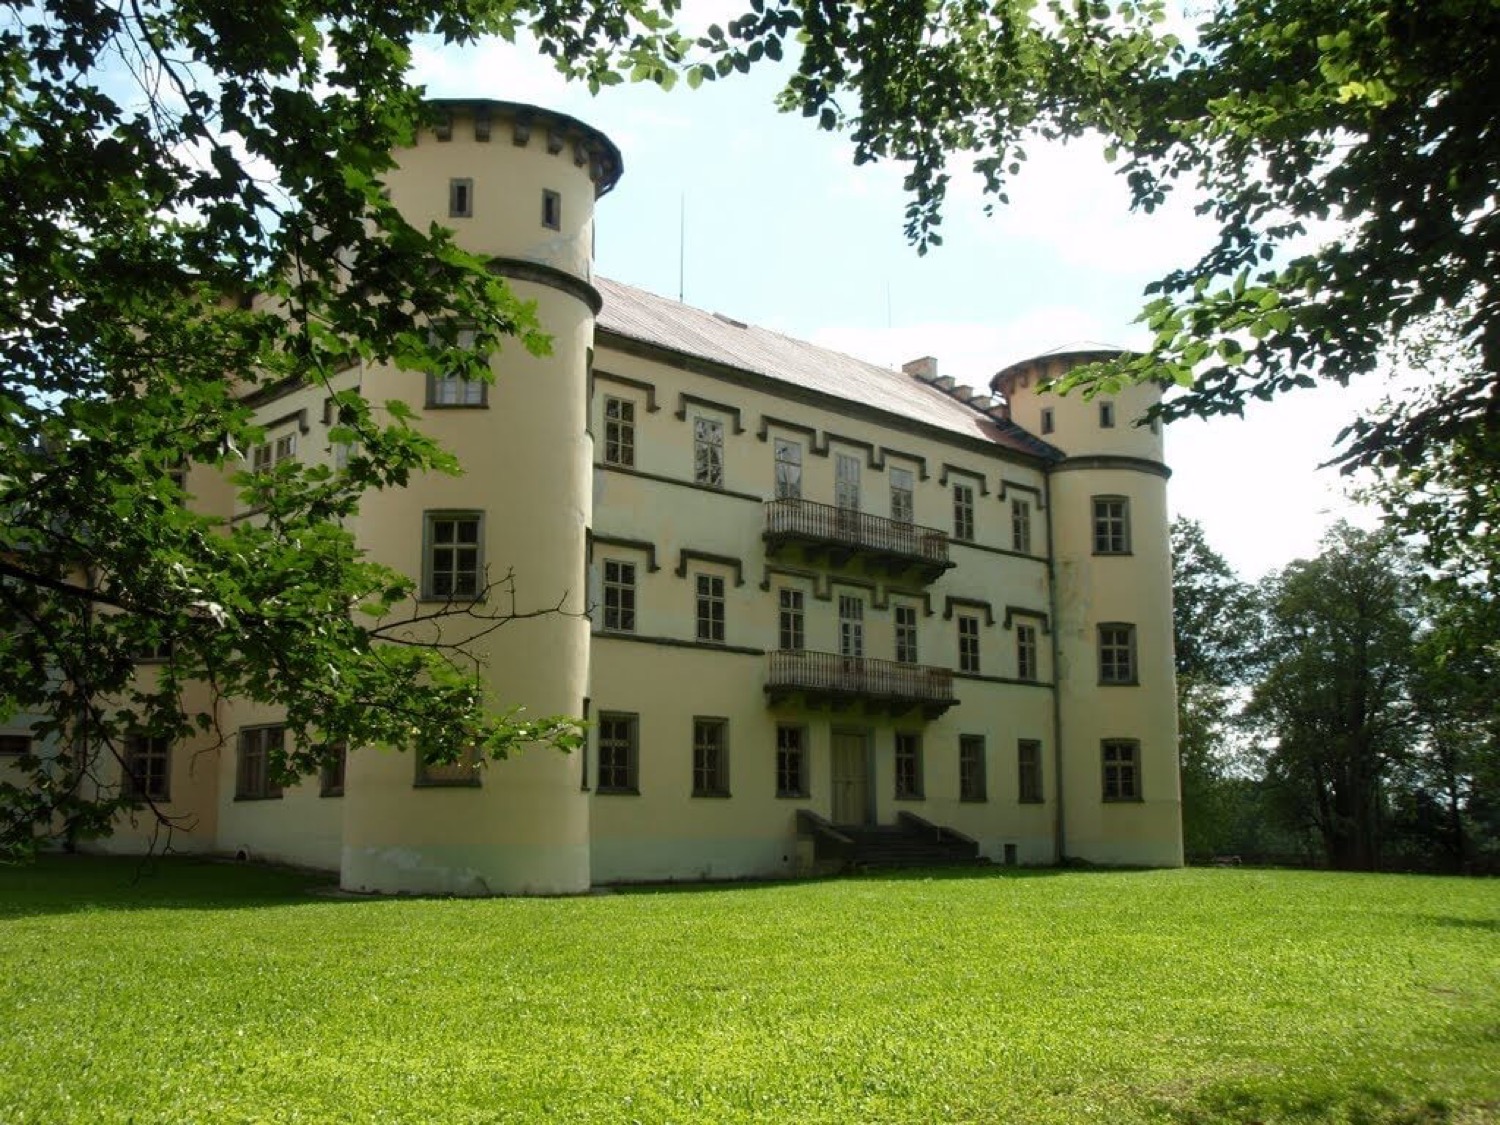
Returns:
(66, 884)
(1251, 1104)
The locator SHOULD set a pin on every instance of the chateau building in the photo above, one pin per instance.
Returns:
(807, 593)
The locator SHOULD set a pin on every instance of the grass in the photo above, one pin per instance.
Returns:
(189, 991)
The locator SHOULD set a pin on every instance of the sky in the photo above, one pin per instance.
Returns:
(761, 216)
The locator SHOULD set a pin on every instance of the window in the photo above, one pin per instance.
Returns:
(619, 596)
(454, 556)
(618, 753)
(906, 634)
(273, 453)
(148, 768)
(1117, 654)
(908, 766)
(454, 390)
(1106, 415)
(710, 608)
(1122, 769)
(963, 512)
(968, 644)
(14, 745)
(253, 777)
(788, 470)
(708, 452)
(971, 785)
(462, 771)
(1029, 771)
(1048, 420)
(791, 761)
(851, 626)
(792, 633)
(846, 482)
(551, 209)
(1111, 525)
(1020, 526)
(1025, 652)
(710, 758)
(331, 775)
(619, 432)
(461, 199)
(902, 507)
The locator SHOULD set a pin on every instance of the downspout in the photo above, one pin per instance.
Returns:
(1059, 834)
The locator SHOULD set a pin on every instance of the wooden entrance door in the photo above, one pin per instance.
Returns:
(851, 779)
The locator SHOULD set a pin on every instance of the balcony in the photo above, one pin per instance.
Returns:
(839, 535)
(825, 679)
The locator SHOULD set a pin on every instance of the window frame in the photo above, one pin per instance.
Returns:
(430, 545)
(708, 451)
(910, 776)
(462, 773)
(254, 742)
(1027, 668)
(904, 624)
(461, 197)
(973, 784)
(1117, 654)
(1106, 415)
(332, 775)
(968, 644)
(1049, 420)
(623, 775)
(792, 761)
(963, 512)
(851, 627)
(619, 595)
(787, 468)
(846, 482)
(1030, 784)
(1111, 525)
(710, 610)
(619, 431)
(155, 753)
(903, 496)
(551, 209)
(1020, 525)
(710, 756)
(1118, 774)
(791, 619)
(451, 392)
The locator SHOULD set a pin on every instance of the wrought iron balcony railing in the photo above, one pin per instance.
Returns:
(843, 533)
(826, 678)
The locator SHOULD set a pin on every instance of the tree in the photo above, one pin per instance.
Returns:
(1335, 708)
(1282, 116)
(1215, 621)
(159, 160)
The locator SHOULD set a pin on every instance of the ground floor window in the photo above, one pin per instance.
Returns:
(1029, 767)
(791, 761)
(461, 771)
(710, 757)
(1122, 769)
(971, 783)
(254, 774)
(618, 753)
(148, 768)
(908, 766)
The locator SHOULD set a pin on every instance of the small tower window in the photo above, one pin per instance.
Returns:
(1106, 415)
(551, 210)
(1048, 424)
(461, 199)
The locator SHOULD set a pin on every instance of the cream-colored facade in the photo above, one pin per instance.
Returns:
(792, 582)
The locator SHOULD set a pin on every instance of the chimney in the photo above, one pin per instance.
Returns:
(924, 369)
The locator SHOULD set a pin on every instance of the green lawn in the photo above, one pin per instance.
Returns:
(199, 992)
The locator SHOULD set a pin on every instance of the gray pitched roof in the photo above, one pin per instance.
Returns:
(662, 323)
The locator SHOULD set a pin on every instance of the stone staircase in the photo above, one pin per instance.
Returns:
(911, 842)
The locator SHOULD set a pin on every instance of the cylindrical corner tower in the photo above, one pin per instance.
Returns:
(517, 184)
(1116, 740)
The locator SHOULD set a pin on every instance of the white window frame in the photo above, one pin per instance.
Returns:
(905, 619)
(710, 756)
(791, 620)
(708, 451)
(963, 512)
(968, 644)
(710, 616)
(851, 626)
(253, 780)
(903, 496)
(619, 596)
(1026, 652)
(619, 432)
(1111, 525)
(846, 482)
(451, 573)
(908, 767)
(788, 469)
(1020, 526)
(791, 760)
(1117, 654)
